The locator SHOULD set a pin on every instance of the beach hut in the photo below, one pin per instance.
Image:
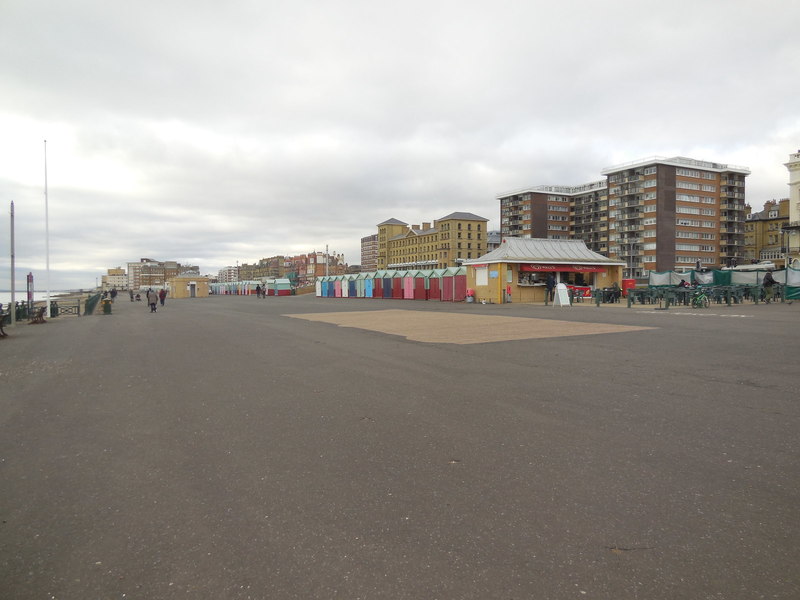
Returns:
(435, 284)
(368, 281)
(421, 283)
(397, 285)
(283, 287)
(377, 285)
(408, 285)
(352, 286)
(361, 287)
(387, 283)
(460, 283)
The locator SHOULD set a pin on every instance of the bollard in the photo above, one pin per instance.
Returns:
(598, 295)
(630, 297)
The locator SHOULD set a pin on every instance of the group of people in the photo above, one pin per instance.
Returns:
(261, 292)
(154, 297)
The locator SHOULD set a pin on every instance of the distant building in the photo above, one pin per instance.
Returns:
(493, 240)
(447, 242)
(228, 274)
(115, 279)
(369, 253)
(300, 269)
(764, 232)
(153, 273)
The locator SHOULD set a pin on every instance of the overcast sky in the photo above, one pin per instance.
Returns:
(215, 132)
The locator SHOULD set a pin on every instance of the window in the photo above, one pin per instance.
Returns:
(686, 185)
(687, 210)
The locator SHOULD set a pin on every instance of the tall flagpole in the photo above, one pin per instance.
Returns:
(12, 308)
(46, 233)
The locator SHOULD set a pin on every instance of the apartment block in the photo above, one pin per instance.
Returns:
(445, 242)
(655, 214)
(558, 212)
(369, 253)
(228, 274)
(675, 213)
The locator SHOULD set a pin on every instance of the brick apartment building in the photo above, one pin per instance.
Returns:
(369, 253)
(655, 214)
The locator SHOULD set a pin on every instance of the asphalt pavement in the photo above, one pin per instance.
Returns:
(220, 449)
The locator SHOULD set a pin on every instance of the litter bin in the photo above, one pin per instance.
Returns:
(106, 306)
(627, 284)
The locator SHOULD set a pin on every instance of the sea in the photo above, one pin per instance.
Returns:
(38, 295)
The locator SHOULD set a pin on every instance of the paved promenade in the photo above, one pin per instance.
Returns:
(304, 448)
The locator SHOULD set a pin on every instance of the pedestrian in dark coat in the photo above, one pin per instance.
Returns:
(152, 299)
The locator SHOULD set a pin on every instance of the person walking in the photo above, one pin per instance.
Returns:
(551, 284)
(162, 295)
(769, 286)
(152, 299)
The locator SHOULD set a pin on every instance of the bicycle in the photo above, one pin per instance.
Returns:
(700, 299)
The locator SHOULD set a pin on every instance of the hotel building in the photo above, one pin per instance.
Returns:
(446, 243)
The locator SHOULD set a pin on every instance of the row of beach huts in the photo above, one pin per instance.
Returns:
(445, 285)
(272, 287)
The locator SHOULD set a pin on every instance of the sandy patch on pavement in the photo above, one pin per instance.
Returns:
(456, 328)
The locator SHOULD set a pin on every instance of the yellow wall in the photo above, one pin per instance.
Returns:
(179, 287)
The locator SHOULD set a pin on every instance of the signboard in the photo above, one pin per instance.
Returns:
(539, 267)
(561, 297)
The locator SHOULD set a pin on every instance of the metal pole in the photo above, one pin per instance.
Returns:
(12, 307)
(46, 234)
